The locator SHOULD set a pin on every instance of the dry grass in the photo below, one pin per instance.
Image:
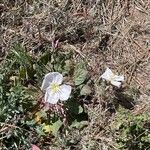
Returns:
(102, 32)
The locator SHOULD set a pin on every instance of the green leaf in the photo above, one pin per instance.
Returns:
(44, 59)
(79, 125)
(73, 107)
(21, 55)
(39, 130)
(55, 127)
(80, 74)
(22, 72)
(30, 122)
(80, 110)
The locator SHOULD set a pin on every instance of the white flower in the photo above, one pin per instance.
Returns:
(112, 78)
(54, 89)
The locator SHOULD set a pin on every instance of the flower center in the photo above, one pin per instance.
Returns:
(54, 87)
(112, 77)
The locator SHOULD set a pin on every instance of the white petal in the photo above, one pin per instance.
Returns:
(116, 83)
(119, 78)
(65, 91)
(51, 97)
(57, 78)
(51, 77)
(107, 74)
(46, 97)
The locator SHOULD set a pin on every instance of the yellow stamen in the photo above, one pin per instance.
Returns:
(54, 87)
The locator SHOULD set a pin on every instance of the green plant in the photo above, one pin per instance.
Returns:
(132, 131)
